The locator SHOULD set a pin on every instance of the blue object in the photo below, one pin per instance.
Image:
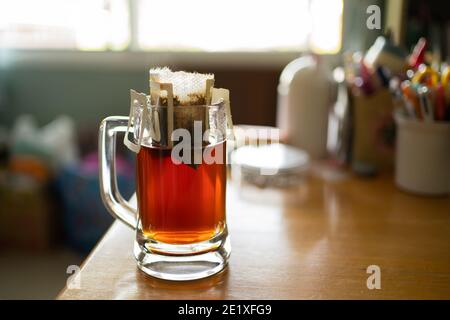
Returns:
(85, 218)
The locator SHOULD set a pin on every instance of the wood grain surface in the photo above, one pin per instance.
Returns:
(314, 241)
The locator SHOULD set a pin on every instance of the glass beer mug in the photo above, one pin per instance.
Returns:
(180, 223)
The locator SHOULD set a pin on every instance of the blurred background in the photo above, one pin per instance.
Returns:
(67, 64)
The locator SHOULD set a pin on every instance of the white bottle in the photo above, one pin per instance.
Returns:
(305, 94)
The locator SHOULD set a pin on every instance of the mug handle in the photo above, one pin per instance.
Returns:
(109, 191)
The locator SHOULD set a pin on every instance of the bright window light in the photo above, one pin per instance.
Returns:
(172, 25)
(240, 25)
(64, 24)
(326, 26)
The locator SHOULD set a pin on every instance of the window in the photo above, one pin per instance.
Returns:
(64, 24)
(174, 25)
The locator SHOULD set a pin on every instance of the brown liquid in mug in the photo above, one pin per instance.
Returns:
(179, 204)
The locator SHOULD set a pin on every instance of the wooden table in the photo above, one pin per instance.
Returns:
(312, 242)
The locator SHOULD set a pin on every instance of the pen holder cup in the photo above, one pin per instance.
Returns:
(422, 163)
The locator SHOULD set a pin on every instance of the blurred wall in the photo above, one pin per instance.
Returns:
(356, 36)
(88, 95)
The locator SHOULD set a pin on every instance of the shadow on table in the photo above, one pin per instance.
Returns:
(214, 287)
